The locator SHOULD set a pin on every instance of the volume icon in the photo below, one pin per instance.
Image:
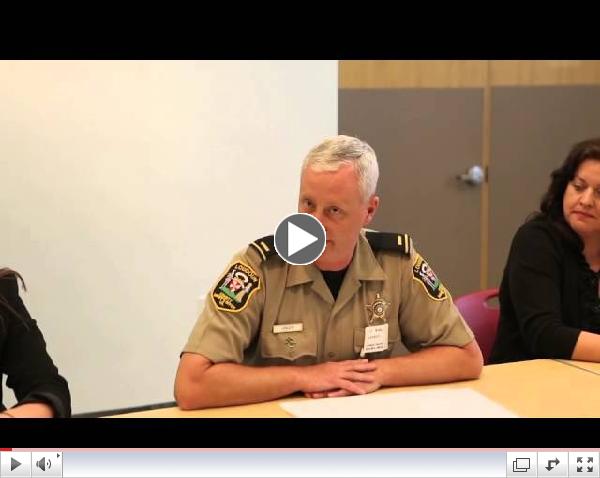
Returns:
(43, 463)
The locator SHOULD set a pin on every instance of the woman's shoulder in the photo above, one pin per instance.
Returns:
(539, 227)
(539, 235)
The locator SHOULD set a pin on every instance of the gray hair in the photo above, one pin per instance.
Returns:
(333, 152)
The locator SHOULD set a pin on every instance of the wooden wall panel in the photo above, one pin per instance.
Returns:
(545, 72)
(466, 73)
(412, 74)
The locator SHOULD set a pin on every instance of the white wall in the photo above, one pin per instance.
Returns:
(126, 188)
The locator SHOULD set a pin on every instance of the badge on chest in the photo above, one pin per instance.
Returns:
(376, 333)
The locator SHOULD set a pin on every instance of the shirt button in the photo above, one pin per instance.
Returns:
(331, 355)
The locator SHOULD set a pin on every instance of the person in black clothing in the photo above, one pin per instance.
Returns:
(39, 389)
(549, 296)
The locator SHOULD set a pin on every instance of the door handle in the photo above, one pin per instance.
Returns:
(474, 176)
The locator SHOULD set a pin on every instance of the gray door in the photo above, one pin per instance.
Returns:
(423, 139)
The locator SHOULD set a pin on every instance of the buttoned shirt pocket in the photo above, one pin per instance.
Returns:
(297, 348)
(393, 339)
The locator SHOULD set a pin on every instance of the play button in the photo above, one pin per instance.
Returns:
(15, 464)
(300, 239)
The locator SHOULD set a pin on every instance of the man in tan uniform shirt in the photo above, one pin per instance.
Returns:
(270, 328)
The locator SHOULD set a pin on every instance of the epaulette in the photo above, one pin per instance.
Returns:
(390, 241)
(265, 247)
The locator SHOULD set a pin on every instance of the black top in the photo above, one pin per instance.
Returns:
(334, 280)
(547, 296)
(31, 374)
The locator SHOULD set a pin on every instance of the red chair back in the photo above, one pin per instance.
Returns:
(482, 318)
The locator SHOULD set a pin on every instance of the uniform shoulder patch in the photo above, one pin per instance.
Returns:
(390, 241)
(235, 288)
(425, 276)
(265, 247)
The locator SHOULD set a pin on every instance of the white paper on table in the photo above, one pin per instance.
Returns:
(452, 403)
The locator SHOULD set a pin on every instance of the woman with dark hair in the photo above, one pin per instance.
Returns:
(31, 374)
(549, 296)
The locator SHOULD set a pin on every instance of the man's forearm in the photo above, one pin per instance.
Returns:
(227, 384)
(438, 364)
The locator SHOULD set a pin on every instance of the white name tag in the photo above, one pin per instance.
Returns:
(281, 328)
(376, 339)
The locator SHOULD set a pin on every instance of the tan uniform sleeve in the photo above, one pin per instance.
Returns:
(222, 333)
(428, 315)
